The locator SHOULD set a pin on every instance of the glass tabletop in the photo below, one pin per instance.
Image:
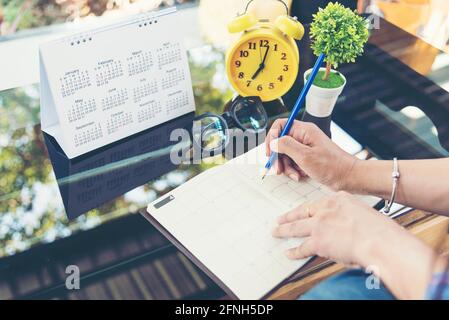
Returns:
(395, 104)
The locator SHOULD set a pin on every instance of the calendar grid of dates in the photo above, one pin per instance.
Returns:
(73, 81)
(148, 75)
(118, 121)
(168, 54)
(80, 109)
(115, 98)
(172, 78)
(143, 91)
(149, 111)
(139, 62)
(88, 133)
(176, 101)
(108, 70)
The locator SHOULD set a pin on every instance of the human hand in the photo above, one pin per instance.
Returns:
(337, 227)
(348, 231)
(307, 151)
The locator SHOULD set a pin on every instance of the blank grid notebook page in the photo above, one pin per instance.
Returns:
(224, 217)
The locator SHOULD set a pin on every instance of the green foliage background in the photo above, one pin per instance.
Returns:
(16, 15)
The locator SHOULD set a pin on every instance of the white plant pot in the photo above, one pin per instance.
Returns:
(320, 102)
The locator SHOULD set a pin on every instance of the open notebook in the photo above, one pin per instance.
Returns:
(222, 220)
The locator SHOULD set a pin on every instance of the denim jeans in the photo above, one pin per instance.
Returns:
(349, 285)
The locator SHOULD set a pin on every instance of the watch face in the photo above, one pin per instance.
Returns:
(263, 66)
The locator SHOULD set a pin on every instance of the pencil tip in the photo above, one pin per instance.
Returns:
(264, 174)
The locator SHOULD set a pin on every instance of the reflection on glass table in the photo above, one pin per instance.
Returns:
(102, 175)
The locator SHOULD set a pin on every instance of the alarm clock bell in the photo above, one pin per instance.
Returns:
(264, 60)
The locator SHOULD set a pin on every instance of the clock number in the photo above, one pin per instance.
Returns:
(238, 63)
(285, 67)
(259, 87)
(241, 75)
(248, 83)
(244, 54)
(252, 46)
(281, 78)
(264, 43)
(284, 56)
(271, 86)
(276, 47)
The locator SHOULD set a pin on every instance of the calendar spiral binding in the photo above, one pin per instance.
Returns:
(141, 20)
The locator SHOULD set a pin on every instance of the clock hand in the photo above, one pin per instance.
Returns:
(265, 56)
(262, 65)
(257, 72)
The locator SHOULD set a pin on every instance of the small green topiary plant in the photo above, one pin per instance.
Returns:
(340, 34)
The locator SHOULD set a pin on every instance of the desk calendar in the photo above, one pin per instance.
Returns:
(101, 86)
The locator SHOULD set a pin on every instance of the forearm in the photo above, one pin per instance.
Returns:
(403, 263)
(424, 184)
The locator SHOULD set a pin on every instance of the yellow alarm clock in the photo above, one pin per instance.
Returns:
(264, 61)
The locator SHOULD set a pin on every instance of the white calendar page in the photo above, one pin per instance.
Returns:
(115, 81)
(224, 217)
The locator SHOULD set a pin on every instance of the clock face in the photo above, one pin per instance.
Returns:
(264, 67)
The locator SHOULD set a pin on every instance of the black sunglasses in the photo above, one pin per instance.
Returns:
(211, 131)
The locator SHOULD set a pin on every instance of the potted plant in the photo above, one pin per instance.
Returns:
(340, 34)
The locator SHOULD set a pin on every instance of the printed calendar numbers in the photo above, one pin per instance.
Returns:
(80, 109)
(73, 81)
(144, 90)
(149, 111)
(105, 71)
(117, 86)
(138, 62)
(118, 121)
(177, 101)
(115, 98)
(88, 133)
(168, 54)
(172, 78)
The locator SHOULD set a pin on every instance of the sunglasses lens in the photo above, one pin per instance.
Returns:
(209, 133)
(250, 114)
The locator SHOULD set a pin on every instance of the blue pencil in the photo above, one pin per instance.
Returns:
(296, 109)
